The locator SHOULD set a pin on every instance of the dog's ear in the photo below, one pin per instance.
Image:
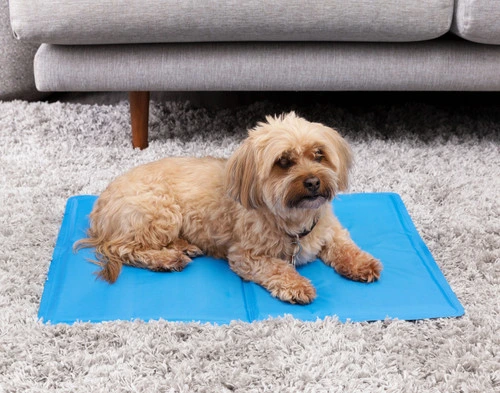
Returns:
(341, 156)
(241, 177)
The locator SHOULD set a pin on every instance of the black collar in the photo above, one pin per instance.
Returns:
(305, 232)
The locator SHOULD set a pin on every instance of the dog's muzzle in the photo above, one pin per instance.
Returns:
(310, 200)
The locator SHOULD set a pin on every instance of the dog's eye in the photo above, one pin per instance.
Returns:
(318, 155)
(284, 162)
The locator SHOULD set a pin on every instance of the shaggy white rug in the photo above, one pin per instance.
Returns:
(443, 160)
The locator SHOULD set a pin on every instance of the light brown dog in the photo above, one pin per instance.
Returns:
(265, 210)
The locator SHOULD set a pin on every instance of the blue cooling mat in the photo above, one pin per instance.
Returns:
(411, 286)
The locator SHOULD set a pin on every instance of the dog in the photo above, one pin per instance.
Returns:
(265, 210)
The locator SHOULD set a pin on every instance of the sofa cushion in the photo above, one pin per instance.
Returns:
(252, 66)
(157, 21)
(16, 63)
(477, 20)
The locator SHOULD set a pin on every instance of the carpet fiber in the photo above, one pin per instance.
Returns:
(444, 161)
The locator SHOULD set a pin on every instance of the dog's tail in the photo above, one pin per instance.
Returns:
(109, 261)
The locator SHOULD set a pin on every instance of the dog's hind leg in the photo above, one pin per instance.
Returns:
(174, 257)
(187, 248)
(164, 260)
(139, 230)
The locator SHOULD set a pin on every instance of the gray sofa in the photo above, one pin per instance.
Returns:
(344, 45)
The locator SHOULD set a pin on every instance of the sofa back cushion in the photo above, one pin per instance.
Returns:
(477, 20)
(154, 21)
(16, 63)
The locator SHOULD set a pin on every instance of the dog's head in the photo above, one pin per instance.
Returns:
(288, 163)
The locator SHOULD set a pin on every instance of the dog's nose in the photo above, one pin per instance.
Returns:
(312, 183)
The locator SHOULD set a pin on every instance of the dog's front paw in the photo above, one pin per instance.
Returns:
(294, 290)
(362, 267)
(369, 269)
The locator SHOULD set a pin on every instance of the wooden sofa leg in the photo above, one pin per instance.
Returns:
(139, 116)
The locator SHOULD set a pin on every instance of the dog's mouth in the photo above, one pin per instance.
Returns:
(308, 201)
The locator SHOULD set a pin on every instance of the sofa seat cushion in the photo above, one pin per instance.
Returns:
(161, 21)
(477, 20)
(257, 66)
